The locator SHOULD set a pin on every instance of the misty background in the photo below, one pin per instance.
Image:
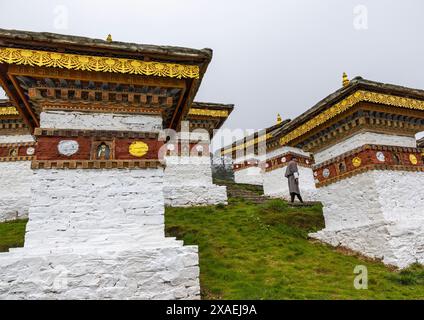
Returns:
(269, 56)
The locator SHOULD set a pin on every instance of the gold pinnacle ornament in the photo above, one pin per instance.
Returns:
(345, 80)
(279, 119)
(109, 38)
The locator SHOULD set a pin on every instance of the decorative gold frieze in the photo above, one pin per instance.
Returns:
(8, 111)
(248, 143)
(208, 113)
(350, 101)
(99, 64)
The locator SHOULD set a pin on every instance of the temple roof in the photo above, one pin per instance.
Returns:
(420, 143)
(33, 40)
(357, 83)
(44, 70)
(209, 116)
(268, 134)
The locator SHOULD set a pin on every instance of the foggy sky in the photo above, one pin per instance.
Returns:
(269, 56)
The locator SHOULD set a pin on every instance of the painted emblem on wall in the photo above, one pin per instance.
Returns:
(356, 162)
(283, 159)
(103, 152)
(30, 151)
(326, 173)
(138, 148)
(13, 152)
(413, 158)
(380, 156)
(68, 147)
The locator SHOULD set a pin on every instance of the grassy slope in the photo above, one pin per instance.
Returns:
(12, 234)
(261, 252)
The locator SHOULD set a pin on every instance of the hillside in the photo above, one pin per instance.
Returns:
(261, 251)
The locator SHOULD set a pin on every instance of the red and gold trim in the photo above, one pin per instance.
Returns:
(368, 157)
(95, 149)
(23, 151)
(246, 164)
(191, 149)
(284, 159)
(95, 164)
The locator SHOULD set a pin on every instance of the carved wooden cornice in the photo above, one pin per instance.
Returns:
(366, 158)
(346, 104)
(95, 133)
(8, 111)
(283, 160)
(95, 164)
(95, 63)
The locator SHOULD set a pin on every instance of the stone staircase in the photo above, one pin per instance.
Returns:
(254, 194)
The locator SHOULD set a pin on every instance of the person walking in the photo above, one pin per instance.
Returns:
(292, 174)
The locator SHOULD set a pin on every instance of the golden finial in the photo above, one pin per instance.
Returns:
(345, 80)
(279, 119)
(109, 38)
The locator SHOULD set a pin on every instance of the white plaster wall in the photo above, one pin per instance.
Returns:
(400, 194)
(351, 202)
(276, 184)
(15, 186)
(16, 138)
(100, 121)
(188, 182)
(251, 175)
(361, 139)
(378, 213)
(107, 207)
(15, 189)
(102, 231)
(168, 272)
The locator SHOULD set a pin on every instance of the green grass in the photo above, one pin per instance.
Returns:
(12, 234)
(262, 252)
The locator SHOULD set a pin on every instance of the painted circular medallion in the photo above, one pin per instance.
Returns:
(30, 151)
(326, 173)
(283, 159)
(68, 147)
(138, 149)
(380, 156)
(413, 158)
(356, 162)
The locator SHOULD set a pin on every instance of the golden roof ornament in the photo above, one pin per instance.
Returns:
(109, 38)
(345, 80)
(279, 119)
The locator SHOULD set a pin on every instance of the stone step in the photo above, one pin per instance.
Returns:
(304, 204)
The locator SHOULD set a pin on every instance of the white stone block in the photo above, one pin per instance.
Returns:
(100, 121)
(378, 213)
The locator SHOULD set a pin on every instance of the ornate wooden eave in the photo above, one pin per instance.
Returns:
(265, 135)
(157, 76)
(357, 91)
(208, 116)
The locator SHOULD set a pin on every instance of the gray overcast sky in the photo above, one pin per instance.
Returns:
(269, 56)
